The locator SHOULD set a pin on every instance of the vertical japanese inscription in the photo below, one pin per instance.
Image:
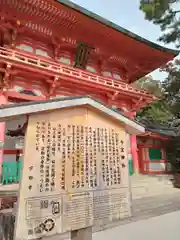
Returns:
(48, 159)
(51, 146)
(53, 158)
(41, 149)
(81, 148)
(80, 163)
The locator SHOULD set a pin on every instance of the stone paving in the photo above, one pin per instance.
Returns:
(143, 209)
(158, 205)
(149, 207)
(164, 227)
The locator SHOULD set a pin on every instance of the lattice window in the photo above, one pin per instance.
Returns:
(65, 60)
(17, 88)
(41, 52)
(90, 69)
(37, 92)
(107, 74)
(116, 76)
(25, 47)
(28, 92)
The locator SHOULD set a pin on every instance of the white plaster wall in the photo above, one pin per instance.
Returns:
(157, 167)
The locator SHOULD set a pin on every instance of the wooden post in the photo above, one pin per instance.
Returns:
(82, 234)
(134, 154)
(134, 149)
(3, 101)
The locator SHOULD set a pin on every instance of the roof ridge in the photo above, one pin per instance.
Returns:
(116, 27)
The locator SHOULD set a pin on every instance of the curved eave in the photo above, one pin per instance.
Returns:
(173, 53)
(153, 135)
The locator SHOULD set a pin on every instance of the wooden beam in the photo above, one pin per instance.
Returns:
(23, 97)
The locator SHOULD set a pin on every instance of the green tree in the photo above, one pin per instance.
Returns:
(166, 14)
(158, 112)
(152, 86)
(171, 87)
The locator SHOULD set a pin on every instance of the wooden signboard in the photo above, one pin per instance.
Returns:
(75, 173)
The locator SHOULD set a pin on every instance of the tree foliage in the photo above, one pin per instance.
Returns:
(171, 87)
(166, 14)
(158, 112)
(152, 86)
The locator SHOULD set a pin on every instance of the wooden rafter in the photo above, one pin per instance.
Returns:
(72, 23)
(153, 135)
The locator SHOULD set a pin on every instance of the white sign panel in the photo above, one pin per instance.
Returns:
(73, 176)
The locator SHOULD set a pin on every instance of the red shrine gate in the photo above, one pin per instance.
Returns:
(45, 54)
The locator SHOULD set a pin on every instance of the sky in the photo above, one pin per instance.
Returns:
(126, 14)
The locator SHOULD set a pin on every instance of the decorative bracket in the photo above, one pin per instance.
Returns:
(56, 45)
(17, 28)
(138, 104)
(115, 95)
(10, 30)
(53, 85)
(4, 81)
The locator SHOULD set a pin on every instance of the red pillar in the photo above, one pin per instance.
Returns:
(134, 150)
(3, 101)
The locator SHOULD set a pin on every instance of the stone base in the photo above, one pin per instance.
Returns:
(136, 172)
(82, 234)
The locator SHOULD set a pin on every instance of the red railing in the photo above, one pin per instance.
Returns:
(56, 69)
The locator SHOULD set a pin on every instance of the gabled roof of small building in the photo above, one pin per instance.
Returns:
(162, 130)
(158, 129)
(28, 108)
